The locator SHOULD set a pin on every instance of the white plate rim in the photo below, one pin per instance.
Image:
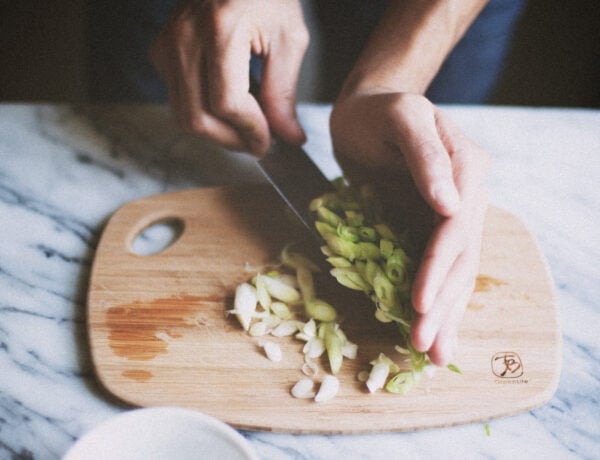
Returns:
(227, 433)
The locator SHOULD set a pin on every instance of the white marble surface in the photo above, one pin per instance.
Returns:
(64, 170)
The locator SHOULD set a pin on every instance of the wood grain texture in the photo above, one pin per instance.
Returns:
(159, 335)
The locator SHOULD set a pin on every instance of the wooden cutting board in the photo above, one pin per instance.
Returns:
(159, 335)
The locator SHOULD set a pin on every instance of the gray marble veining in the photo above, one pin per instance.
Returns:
(64, 170)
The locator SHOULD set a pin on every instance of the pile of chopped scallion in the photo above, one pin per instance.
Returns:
(365, 255)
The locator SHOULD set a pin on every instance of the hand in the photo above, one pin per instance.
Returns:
(405, 144)
(203, 55)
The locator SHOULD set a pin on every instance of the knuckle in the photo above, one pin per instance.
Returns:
(433, 161)
(300, 36)
(181, 30)
(196, 125)
(176, 35)
(225, 106)
(293, 40)
(222, 21)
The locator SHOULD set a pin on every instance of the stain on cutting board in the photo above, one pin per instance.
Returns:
(139, 375)
(135, 329)
(484, 283)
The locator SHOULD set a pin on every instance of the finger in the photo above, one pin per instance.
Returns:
(446, 341)
(449, 305)
(470, 162)
(445, 245)
(450, 238)
(229, 98)
(278, 87)
(435, 330)
(427, 157)
(193, 115)
(177, 56)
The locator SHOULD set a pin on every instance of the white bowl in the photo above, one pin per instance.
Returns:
(162, 433)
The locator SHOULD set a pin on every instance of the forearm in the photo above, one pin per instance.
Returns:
(410, 44)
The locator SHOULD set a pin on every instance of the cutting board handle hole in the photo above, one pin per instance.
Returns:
(157, 236)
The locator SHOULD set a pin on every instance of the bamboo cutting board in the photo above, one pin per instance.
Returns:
(159, 334)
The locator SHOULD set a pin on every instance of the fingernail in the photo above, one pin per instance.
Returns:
(426, 339)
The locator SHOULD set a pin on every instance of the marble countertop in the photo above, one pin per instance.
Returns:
(64, 170)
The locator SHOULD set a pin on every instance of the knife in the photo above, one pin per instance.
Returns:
(288, 167)
(295, 178)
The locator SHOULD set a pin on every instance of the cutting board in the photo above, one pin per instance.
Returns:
(159, 334)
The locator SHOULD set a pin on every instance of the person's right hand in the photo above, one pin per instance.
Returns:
(203, 55)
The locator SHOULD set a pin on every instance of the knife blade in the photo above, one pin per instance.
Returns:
(296, 178)
(288, 167)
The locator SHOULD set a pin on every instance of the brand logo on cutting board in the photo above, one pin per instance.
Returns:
(507, 366)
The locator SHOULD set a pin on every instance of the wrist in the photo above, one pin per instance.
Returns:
(360, 84)
(409, 45)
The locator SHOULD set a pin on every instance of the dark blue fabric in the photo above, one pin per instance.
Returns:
(120, 32)
(471, 71)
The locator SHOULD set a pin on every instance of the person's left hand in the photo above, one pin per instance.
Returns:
(398, 140)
